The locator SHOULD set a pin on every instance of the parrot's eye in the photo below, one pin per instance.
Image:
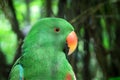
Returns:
(57, 29)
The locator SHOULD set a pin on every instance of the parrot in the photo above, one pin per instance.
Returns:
(43, 56)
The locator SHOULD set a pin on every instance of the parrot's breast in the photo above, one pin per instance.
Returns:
(48, 67)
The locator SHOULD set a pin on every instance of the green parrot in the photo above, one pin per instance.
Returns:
(43, 57)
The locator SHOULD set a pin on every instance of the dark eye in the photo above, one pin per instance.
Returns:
(57, 29)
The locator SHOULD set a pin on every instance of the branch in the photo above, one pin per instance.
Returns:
(7, 7)
(91, 10)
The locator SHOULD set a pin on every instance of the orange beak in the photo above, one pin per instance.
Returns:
(72, 42)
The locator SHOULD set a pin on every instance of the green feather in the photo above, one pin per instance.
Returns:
(42, 52)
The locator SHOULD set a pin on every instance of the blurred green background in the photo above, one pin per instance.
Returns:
(96, 22)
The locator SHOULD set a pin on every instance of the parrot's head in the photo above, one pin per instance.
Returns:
(52, 32)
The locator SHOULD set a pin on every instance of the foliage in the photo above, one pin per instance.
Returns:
(8, 40)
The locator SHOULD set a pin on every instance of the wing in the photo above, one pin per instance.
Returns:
(17, 73)
(70, 77)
